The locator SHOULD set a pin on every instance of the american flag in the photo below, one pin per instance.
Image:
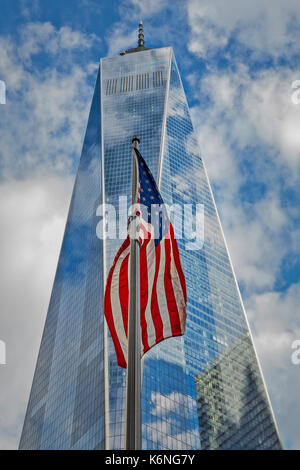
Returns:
(162, 282)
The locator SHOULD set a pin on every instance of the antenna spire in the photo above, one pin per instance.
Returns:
(141, 41)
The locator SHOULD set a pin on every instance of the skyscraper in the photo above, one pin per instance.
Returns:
(203, 390)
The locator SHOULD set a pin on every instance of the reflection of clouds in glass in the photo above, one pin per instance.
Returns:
(181, 187)
(167, 410)
(177, 109)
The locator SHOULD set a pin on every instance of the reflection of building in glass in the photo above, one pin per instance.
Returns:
(77, 396)
(233, 407)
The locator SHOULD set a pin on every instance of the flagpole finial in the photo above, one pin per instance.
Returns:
(141, 41)
(135, 140)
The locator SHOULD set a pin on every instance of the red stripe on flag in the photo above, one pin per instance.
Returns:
(144, 294)
(124, 291)
(171, 301)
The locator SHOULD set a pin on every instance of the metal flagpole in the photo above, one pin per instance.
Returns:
(133, 385)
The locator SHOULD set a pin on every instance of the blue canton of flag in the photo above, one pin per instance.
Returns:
(154, 220)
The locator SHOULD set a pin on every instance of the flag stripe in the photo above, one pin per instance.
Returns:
(162, 293)
(178, 292)
(144, 296)
(124, 291)
(121, 355)
(150, 260)
(172, 306)
(177, 261)
(154, 304)
(119, 317)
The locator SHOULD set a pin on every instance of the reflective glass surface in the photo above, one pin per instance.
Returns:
(202, 390)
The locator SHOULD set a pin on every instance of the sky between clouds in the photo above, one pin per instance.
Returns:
(238, 61)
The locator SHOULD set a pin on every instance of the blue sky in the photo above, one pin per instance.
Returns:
(238, 60)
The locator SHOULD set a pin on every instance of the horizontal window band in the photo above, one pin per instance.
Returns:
(142, 81)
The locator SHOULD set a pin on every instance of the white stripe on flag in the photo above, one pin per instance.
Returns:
(116, 305)
(151, 257)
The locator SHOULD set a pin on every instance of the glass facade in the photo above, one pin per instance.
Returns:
(200, 391)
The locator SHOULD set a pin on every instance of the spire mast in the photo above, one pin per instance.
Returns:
(141, 41)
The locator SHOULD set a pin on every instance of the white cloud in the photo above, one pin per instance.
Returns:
(257, 25)
(148, 8)
(28, 8)
(33, 214)
(121, 39)
(44, 36)
(45, 113)
(255, 109)
(252, 111)
(255, 236)
(276, 120)
(11, 69)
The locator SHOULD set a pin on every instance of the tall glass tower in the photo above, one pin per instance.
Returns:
(201, 391)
